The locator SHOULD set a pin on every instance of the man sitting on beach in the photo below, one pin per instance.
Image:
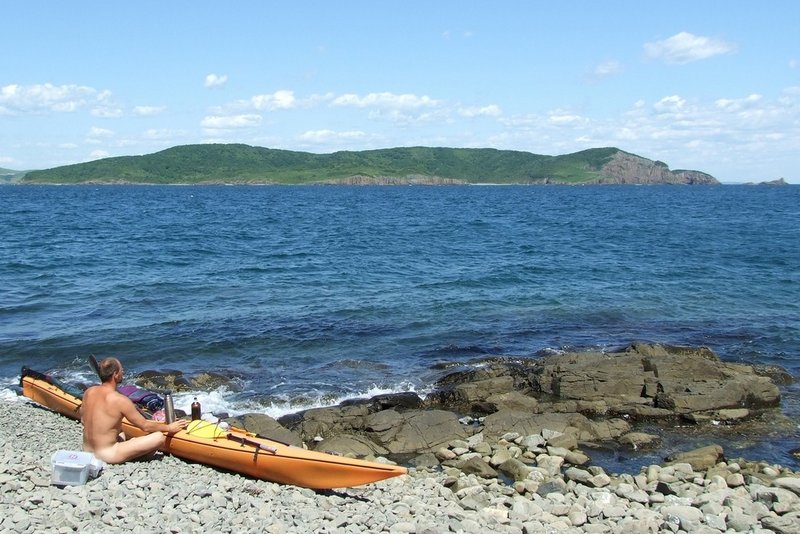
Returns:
(102, 412)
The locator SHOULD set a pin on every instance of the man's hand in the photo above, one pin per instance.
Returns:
(176, 426)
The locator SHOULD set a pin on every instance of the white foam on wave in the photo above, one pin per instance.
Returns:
(217, 401)
(223, 401)
(9, 395)
(9, 390)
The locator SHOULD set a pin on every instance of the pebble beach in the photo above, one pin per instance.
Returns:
(544, 494)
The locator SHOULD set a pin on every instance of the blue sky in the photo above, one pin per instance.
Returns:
(706, 85)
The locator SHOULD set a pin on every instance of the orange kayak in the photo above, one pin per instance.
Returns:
(232, 449)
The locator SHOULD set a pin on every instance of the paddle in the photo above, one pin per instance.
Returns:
(93, 363)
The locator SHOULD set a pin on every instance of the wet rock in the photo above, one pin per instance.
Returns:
(699, 459)
(398, 401)
(641, 379)
(639, 440)
(173, 380)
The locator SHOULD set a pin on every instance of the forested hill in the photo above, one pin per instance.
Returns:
(7, 176)
(243, 164)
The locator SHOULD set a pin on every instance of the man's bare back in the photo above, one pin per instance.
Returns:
(102, 412)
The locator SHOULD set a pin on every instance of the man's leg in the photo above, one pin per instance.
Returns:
(132, 448)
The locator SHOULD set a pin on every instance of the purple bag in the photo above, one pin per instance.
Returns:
(148, 400)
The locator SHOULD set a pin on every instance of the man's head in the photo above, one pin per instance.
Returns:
(109, 367)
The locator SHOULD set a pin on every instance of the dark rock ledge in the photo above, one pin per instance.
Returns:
(573, 400)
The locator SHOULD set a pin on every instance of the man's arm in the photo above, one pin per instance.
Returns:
(128, 409)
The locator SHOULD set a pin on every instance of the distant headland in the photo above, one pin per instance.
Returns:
(244, 164)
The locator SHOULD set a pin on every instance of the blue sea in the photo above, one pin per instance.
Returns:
(310, 295)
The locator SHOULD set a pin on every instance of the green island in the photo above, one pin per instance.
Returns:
(244, 164)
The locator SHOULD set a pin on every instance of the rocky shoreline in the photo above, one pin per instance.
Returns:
(534, 486)
(627, 400)
(501, 446)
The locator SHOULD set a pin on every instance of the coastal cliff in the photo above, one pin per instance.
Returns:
(624, 168)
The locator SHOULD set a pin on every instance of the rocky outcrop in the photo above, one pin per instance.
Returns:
(583, 397)
(386, 431)
(173, 380)
(625, 168)
(779, 181)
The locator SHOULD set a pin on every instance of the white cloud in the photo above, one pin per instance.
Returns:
(670, 104)
(96, 136)
(162, 134)
(231, 122)
(385, 100)
(282, 99)
(405, 118)
(41, 98)
(270, 102)
(98, 154)
(401, 109)
(566, 118)
(100, 132)
(216, 80)
(328, 136)
(491, 110)
(107, 112)
(314, 100)
(737, 104)
(146, 111)
(685, 47)
(726, 137)
(609, 68)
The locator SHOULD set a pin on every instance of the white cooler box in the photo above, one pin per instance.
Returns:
(74, 468)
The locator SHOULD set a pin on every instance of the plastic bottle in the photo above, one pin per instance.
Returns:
(196, 413)
(169, 408)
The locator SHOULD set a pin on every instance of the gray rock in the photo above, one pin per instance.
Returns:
(515, 469)
(476, 466)
(739, 521)
(789, 483)
(425, 460)
(576, 458)
(414, 431)
(785, 524)
(578, 475)
(699, 459)
(687, 518)
(599, 481)
(350, 445)
(555, 485)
